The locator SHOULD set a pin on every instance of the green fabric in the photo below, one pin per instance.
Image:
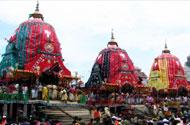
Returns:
(15, 54)
(83, 99)
(22, 36)
(9, 58)
(13, 97)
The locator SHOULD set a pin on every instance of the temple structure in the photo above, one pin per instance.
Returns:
(167, 72)
(114, 67)
(32, 68)
(34, 48)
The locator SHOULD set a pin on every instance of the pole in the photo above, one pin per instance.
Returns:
(25, 109)
(11, 110)
(5, 109)
(115, 100)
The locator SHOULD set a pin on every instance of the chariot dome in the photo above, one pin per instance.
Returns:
(113, 66)
(34, 48)
(167, 72)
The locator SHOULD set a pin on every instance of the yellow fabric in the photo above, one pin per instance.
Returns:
(159, 78)
(45, 93)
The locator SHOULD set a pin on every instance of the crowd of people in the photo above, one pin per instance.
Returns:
(45, 92)
(157, 110)
(169, 111)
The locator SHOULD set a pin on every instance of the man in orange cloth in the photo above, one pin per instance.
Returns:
(97, 116)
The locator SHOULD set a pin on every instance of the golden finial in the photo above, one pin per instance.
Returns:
(166, 47)
(112, 42)
(166, 50)
(112, 35)
(37, 14)
(37, 6)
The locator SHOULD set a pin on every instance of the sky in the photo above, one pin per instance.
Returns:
(84, 28)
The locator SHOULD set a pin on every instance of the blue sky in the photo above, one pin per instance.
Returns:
(83, 28)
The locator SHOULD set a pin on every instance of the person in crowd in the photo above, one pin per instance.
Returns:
(97, 116)
(45, 93)
(25, 92)
(76, 95)
(64, 96)
(107, 112)
(1, 90)
(33, 93)
(36, 91)
(83, 98)
(112, 97)
(40, 87)
(55, 92)
(50, 91)
(71, 95)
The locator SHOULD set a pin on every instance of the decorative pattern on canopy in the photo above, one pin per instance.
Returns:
(113, 66)
(167, 72)
(34, 47)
